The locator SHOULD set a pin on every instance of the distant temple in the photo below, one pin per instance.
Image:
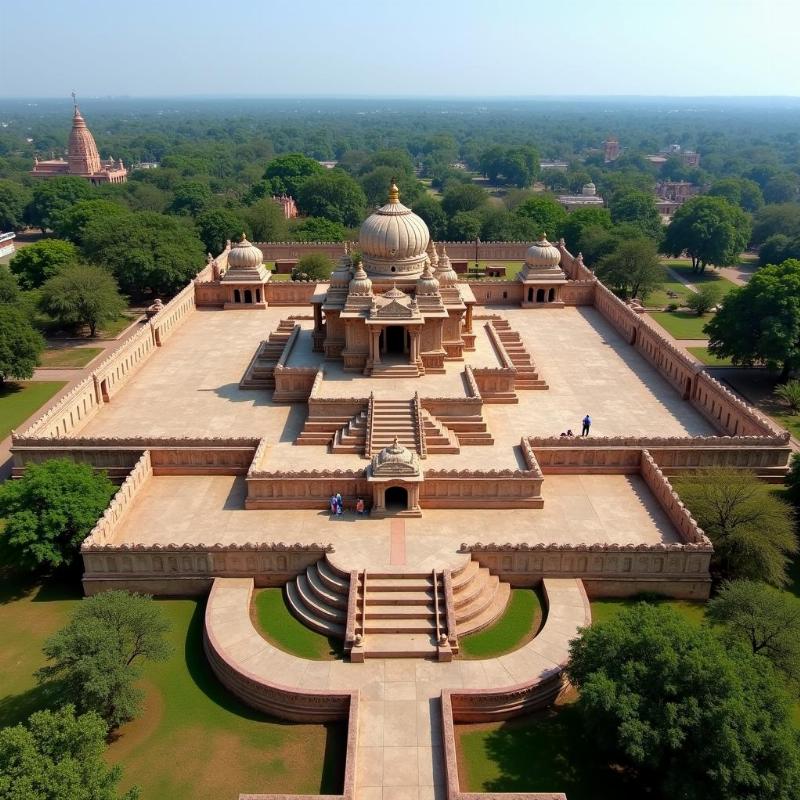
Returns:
(82, 160)
(287, 204)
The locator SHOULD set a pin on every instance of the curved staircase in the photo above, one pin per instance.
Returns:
(478, 596)
(318, 598)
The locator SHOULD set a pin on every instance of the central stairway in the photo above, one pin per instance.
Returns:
(392, 418)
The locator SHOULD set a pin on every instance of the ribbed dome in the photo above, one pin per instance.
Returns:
(360, 284)
(82, 155)
(542, 254)
(396, 454)
(341, 276)
(244, 255)
(446, 274)
(427, 283)
(393, 240)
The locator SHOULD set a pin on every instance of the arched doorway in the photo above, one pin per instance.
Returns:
(395, 339)
(540, 295)
(248, 296)
(530, 294)
(396, 498)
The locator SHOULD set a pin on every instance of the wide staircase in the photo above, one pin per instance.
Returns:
(398, 370)
(260, 373)
(318, 598)
(438, 437)
(390, 418)
(527, 376)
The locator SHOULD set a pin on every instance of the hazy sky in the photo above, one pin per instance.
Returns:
(403, 47)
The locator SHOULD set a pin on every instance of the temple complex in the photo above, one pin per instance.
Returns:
(439, 411)
(83, 160)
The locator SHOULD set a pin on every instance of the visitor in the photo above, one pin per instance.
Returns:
(332, 503)
(339, 504)
(570, 434)
(563, 435)
(587, 423)
(360, 507)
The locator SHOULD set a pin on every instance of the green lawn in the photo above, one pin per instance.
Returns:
(69, 356)
(683, 267)
(703, 355)
(19, 400)
(193, 738)
(279, 626)
(115, 328)
(682, 324)
(519, 622)
(604, 610)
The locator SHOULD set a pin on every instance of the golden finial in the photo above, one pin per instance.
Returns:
(394, 192)
(543, 237)
(244, 237)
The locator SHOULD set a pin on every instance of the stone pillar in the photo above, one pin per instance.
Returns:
(375, 345)
(468, 320)
(414, 355)
(317, 317)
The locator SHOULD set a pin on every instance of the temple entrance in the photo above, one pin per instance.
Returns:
(395, 339)
(396, 498)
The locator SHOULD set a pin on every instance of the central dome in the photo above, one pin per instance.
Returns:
(394, 240)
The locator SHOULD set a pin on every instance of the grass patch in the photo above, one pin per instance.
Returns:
(703, 355)
(682, 324)
(545, 752)
(684, 268)
(518, 624)
(19, 400)
(69, 356)
(278, 625)
(115, 328)
(193, 738)
(605, 610)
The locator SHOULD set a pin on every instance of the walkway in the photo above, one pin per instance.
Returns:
(399, 755)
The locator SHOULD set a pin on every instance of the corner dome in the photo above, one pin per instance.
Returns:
(446, 274)
(427, 283)
(394, 240)
(244, 255)
(360, 284)
(341, 276)
(543, 254)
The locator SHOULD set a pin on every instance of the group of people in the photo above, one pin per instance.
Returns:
(337, 505)
(586, 425)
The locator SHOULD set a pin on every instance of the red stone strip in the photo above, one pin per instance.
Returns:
(397, 534)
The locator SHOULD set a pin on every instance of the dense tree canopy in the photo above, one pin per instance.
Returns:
(265, 220)
(54, 196)
(96, 658)
(20, 344)
(333, 195)
(740, 192)
(637, 208)
(430, 209)
(710, 230)
(14, 199)
(663, 698)
(37, 262)
(315, 229)
(83, 295)
(760, 322)
(191, 198)
(146, 252)
(463, 197)
(287, 173)
(58, 756)
(518, 166)
(543, 215)
(783, 218)
(313, 266)
(50, 511)
(218, 225)
(752, 530)
(72, 222)
(579, 221)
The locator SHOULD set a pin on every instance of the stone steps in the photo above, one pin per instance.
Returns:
(438, 437)
(390, 419)
(318, 598)
(400, 645)
(479, 598)
(395, 371)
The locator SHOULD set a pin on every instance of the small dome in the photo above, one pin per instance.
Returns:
(360, 284)
(446, 274)
(543, 254)
(244, 255)
(341, 276)
(394, 239)
(427, 283)
(589, 189)
(396, 459)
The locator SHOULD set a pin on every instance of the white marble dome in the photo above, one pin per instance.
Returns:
(245, 255)
(543, 254)
(394, 240)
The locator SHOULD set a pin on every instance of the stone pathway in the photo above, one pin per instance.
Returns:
(400, 748)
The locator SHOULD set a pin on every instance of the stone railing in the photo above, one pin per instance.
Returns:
(121, 502)
(578, 293)
(304, 489)
(189, 569)
(466, 488)
(420, 428)
(499, 348)
(668, 499)
(174, 313)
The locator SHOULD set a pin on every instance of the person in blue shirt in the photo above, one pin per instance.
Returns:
(587, 423)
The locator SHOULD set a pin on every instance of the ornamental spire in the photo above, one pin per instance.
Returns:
(394, 192)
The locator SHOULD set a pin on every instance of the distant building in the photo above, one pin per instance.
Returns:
(610, 150)
(328, 164)
(679, 191)
(560, 166)
(587, 198)
(83, 160)
(287, 204)
(7, 244)
(690, 158)
(145, 165)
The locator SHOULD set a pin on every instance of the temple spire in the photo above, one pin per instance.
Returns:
(75, 104)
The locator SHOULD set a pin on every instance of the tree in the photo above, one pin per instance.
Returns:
(20, 344)
(663, 698)
(37, 262)
(779, 248)
(763, 619)
(782, 188)
(376, 183)
(146, 252)
(333, 195)
(639, 209)
(465, 226)
(54, 196)
(632, 268)
(83, 295)
(544, 214)
(703, 300)
(191, 197)
(96, 658)
(73, 221)
(463, 197)
(752, 530)
(217, 225)
(58, 756)
(14, 199)
(783, 218)
(789, 393)
(9, 287)
(313, 266)
(760, 322)
(287, 173)
(793, 479)
(431, 211)
(710, 230)
(314, 229)
(266, 220)
(580, 220)
(739, 192)
(49, 511)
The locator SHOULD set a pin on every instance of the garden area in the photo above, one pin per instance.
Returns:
(518, 624)
(19, 400)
